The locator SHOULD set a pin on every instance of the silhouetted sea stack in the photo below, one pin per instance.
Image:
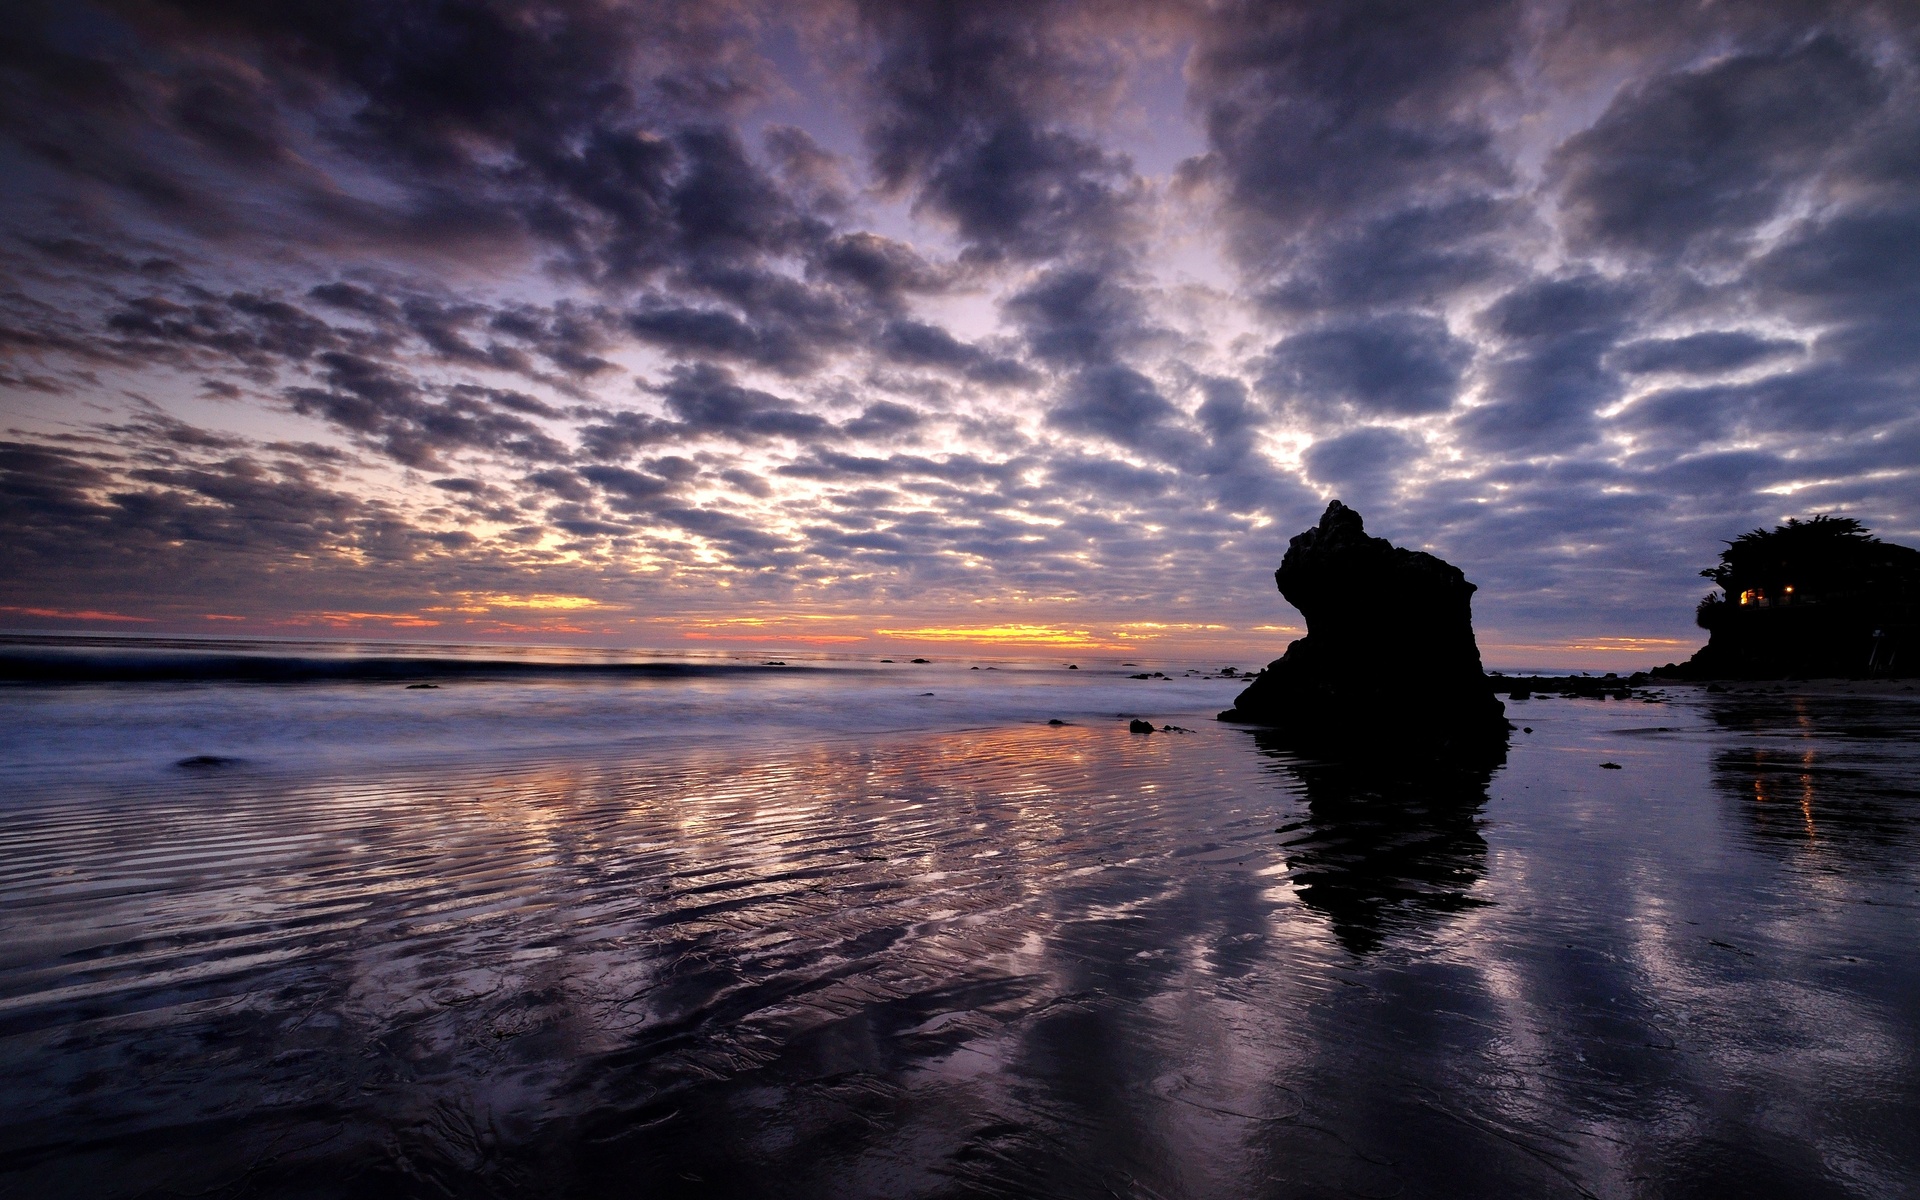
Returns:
(1389, 664)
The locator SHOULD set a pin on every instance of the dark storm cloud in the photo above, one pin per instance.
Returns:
(629, 491)
(1402, 364)
(389, 410)
(966, 104)
(259, 334)
(707, 400)
(601, 135)
(568, 338)
(1856, 272)
(1106, 478)
(1549, 381)
(917, 343)
(707, 332)
(1365, 460)
(1121, 405)
(883, 419)
(1710, 154)
(1422, 254)
(886, 269)
(1322, 115)
(251, 330)
(1080, 315)
(68, 515)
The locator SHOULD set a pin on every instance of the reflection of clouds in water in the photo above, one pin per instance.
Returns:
(1006, 960)
(1384, 846)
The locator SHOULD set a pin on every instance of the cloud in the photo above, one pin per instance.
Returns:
(883, 419)
(388, 409)
(1701, 157)
(1401, 364)
(1364, 463)
(1550, 379)
(1320, 116)
(916, 343)
(967, 107)
(1711, 353)
(1117, 403)
(707, 400)
(933, 306)
(1080, 315)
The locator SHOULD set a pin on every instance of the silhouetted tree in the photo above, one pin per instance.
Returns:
(1821, 596)
(1820, 560)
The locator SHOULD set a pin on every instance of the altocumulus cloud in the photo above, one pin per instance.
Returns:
(668, 312)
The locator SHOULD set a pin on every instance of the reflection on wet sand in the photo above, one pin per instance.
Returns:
(1019, 960)
(1384, 845)
(931, 962)
(1830, 778)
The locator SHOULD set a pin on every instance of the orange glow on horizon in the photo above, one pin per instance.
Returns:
(821, 639)
(1009, 635)
(1585, 652)
(344, 619)
(537, 601)
(84, 614)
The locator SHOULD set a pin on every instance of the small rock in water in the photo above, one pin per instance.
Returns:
(1139, 677)
(202, 762)
(1526, 729)
(926, 693)
(773, 662)
(1138, 726)
(1056, 721)
(1611, 767)
(420, 687)
(1073, 666)
(919, 660)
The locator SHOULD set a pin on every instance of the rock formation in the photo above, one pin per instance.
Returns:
(1389, 663)
(1821, 597)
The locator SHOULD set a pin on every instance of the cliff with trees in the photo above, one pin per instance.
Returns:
(1816, 598)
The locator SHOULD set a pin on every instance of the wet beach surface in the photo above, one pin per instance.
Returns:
(830, 936)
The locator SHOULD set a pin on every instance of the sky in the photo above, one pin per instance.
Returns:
(1030, 328)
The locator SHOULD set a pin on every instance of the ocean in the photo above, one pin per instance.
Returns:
(274, 922)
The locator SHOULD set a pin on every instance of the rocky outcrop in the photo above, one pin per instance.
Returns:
(1816, 598)
(1389, 663)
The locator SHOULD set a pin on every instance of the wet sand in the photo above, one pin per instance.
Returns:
(951, 950)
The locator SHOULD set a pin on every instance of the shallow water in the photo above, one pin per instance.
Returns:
(820, 934)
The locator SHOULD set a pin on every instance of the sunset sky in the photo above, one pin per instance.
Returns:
(1017, 328)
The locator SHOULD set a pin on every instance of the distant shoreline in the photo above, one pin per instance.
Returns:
(1811, 687)
(70, 668)
(1641, 685)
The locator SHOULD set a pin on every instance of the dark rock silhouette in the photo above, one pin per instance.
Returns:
(1821, 597)
(1389, 664)
(1384, 847)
